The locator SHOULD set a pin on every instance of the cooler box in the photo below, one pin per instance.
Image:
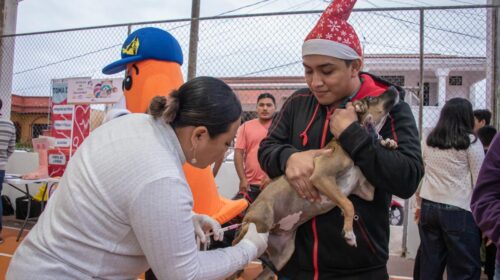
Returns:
(22, 208)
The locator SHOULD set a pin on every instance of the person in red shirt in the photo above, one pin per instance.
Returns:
(252, 178)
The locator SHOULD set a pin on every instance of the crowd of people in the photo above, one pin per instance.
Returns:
(124, 205)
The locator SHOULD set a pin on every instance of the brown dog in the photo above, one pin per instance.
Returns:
(279, 209)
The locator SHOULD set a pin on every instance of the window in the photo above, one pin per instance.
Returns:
(396, 80)
(426, 94)
(18, 132)
(455, 81)
(37, 129)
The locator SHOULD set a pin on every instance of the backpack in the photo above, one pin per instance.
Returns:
(7, 206)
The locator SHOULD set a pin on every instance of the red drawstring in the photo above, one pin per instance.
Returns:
(305, 139)
(314, 229)
(325, 127)
(303, 135)
(315, 249)
(393, 129)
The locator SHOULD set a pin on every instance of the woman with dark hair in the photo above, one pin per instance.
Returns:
(123, 204)
(449, 236)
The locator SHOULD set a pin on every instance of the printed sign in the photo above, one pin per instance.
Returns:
(96, 91)
(62, 143)
(57, 159)
(79, 90)
(63, 125)
(62, 109)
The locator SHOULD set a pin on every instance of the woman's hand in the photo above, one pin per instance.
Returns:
(203, 224)
(299, 169)
(259, 240)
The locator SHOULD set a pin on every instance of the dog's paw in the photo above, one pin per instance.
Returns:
(350, 238)
(389, 143)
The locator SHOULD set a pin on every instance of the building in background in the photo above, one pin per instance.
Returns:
(445, 77)
(31, 116)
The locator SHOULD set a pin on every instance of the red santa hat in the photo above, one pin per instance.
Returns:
(332, 35)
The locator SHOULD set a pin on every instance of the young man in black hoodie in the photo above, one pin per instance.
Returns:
(332, 60)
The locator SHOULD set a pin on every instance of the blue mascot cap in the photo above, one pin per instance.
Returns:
(146, 43)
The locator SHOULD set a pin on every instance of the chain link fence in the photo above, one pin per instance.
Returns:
(262, 53)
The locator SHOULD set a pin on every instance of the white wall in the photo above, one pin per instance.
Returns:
(20, 162)
(227, 180)
(412, 237)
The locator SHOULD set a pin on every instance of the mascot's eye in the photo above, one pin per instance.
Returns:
(127, 83)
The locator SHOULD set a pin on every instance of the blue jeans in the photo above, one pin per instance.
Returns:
(449, 239)
(2, 176)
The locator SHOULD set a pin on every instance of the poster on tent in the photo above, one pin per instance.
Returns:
(69, 125)
(95, 91)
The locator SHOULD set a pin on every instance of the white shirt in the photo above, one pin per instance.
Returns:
(122, 206)
(451, 174)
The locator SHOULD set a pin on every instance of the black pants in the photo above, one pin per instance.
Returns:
(376, 274)
(449, 239)
(150, 275)
(489, 262)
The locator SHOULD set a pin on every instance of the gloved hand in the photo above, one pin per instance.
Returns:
(259, 240)
(203, 224)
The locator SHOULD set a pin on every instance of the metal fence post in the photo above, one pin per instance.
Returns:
(420, 121)
(8, 19)
(496, 67)
(193, 39)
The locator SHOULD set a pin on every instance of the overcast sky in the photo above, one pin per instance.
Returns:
(43, 15)
(237, 47)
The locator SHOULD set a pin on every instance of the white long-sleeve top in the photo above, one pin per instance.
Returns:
(123, 205)
(450, 175)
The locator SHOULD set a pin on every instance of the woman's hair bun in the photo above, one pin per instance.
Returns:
(157, 106)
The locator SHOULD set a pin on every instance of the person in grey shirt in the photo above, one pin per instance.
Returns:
(7, 146)
(123, 204)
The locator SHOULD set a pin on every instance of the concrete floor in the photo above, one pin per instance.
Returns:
(399, 268)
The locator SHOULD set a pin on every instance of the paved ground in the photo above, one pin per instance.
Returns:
(399, 268)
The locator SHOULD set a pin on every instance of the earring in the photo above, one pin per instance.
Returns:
(193, 160)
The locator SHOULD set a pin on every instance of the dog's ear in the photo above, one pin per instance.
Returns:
(390, 98)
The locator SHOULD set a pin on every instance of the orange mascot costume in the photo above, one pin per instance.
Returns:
(153, 58)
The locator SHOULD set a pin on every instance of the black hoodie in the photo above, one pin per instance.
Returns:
(319, 245)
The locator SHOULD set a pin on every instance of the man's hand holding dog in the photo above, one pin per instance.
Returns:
(299, 169)
(341, 119)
